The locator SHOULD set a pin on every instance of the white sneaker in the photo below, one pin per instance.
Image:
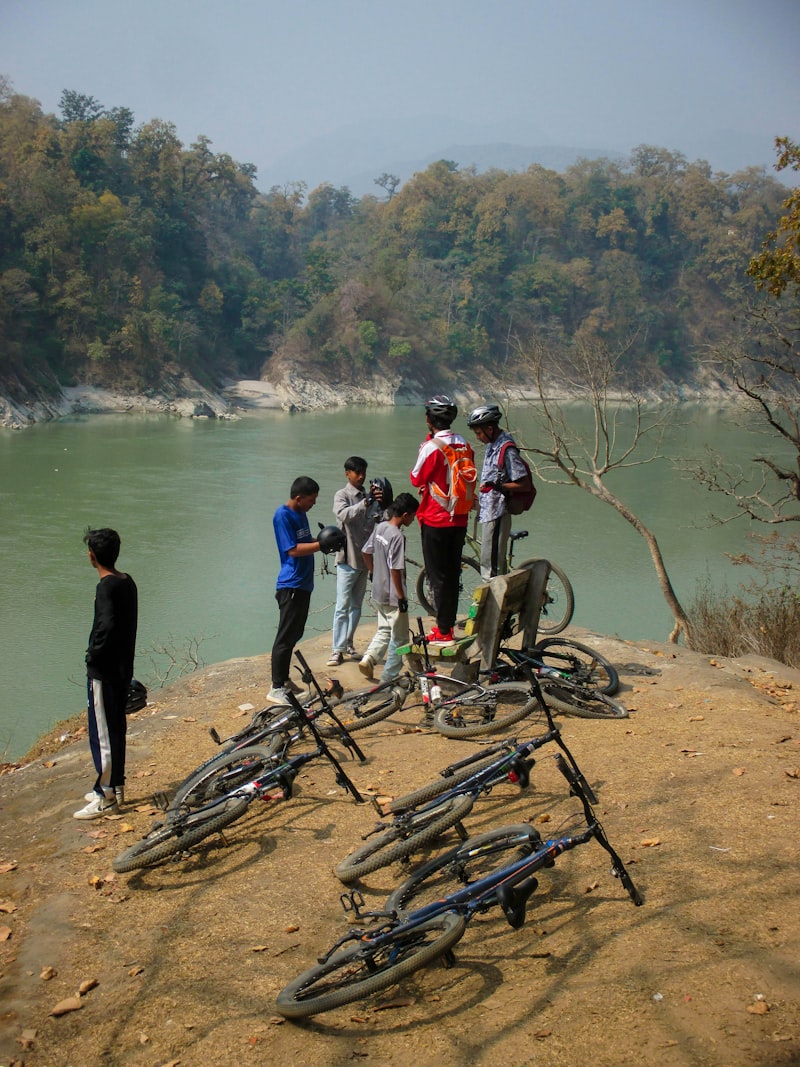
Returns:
(277, 696)
(119, 794)
(97, 807)
(366, 666)
(335, 660)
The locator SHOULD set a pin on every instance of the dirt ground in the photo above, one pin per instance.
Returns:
(699, 791)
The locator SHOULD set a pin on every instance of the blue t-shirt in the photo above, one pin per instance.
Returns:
(291, 529)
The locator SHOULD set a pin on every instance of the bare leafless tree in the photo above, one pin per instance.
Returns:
(627, 432)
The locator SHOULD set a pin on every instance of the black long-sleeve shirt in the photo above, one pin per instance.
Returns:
(112, 642)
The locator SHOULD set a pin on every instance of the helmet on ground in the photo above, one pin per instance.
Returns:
(331, 539)
(386, 489)
(137, 697)
(442, 407)
(485, 415)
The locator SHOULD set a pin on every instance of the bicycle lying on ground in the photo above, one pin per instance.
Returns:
(558, 604)
(495, 701)
(575, 678)
(421, 816)
(493, 870)
(221, 789)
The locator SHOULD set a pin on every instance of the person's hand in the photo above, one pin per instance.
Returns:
(402, 606)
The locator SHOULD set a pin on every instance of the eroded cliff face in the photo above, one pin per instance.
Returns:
(295, 388)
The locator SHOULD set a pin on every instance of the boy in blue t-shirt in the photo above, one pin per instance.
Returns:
(296, 548)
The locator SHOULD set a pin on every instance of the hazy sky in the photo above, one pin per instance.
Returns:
(263, 77)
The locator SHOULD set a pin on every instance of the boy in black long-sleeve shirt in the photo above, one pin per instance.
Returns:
(109, 670)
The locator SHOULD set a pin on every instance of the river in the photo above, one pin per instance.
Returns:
(193, 501)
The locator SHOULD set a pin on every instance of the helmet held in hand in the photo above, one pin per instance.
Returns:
(331, 539)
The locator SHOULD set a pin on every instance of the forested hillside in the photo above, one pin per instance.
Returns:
(127, 259)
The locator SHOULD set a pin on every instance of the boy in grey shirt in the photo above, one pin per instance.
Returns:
(385, 557)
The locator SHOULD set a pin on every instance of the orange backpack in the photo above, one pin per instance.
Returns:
(462, 477)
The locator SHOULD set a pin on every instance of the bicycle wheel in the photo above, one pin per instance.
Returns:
(407, 835)
(484, 711)
(363, 707)
(558, 605)
(476, 858)
(582, 701)
(220, 776)
(582, 664)
(178, 835)
(468, 582)
(441, 785)
(364, 968)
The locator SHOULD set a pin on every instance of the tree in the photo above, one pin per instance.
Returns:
(596, 374)
(389, 183)
(78, 107)
(763, 365)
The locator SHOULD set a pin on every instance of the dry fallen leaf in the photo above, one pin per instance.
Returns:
(697, 718)
(738, 771)
(543, 818)
(132, 973)
(125, 828)
(291, 929)
(88, 984)
(6, 867)
(8, 906)
(89, 849)
(260, 948)
(794, 773)
(759, 1008)
(650, 842)
(48, 973)
(591, 887)
(5, 933)
(64, 1007)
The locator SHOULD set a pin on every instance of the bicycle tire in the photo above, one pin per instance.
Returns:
(594, 670)
(220, 776)
(559, 600)
(178, 835)
(403, 838)
(468, 862)
(441, 785)
(469, 581)
(583, 702)
(364, 707)
(472, 716)
(361, 970)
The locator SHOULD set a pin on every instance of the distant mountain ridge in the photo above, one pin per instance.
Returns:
(357, 154)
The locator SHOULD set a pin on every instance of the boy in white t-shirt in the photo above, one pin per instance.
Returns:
(385, 556)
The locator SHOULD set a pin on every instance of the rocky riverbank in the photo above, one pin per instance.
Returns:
(291, 390)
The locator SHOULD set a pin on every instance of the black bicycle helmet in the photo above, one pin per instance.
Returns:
(485, 415)
(386, 487)
(331, 539)
(441, 407)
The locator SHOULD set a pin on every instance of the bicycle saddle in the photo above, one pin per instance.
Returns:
(514, 900)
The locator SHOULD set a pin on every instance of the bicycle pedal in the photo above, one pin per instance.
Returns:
(214, 736)
(160, 801)
(448, 959)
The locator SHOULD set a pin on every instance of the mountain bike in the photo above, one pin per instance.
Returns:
(578, 680)
(421, 816)
(494, 704)
(493, 870)
(558, 603)
(269, 726)
(221, 790)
